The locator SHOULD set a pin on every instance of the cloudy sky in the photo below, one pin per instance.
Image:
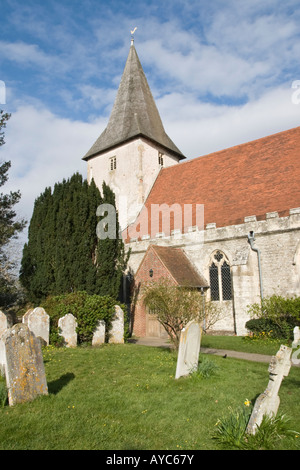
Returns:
(221, 72)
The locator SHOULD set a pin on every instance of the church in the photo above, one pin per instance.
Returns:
(227, 223)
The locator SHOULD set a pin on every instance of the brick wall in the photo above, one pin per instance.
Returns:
(142, 278)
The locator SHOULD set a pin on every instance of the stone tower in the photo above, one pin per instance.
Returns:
(133, 148)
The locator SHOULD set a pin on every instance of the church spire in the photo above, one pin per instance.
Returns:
(134, 113)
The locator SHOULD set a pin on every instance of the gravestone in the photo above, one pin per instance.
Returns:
(268, 402)
(26, 315)
(99, 334)
(296, 341)
(38, 322)
(3, 327)
(295, 345)
(3, 323)
(25, 373)
(116, 334)
(189, 349)
(67, 326)
(2, 358)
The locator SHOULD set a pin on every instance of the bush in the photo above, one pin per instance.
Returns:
(176, 305)
(276, 316)
(87, 309)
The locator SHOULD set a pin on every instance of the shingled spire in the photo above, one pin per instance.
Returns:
(134, 113)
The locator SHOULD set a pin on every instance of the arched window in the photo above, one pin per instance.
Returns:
(220, 278)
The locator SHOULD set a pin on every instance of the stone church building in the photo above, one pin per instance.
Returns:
(227, 223)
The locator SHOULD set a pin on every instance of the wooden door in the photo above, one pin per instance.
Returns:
(154, 328)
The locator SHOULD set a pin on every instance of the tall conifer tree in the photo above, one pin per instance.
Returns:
(63, 253)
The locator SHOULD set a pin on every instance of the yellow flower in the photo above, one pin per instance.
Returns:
(247, 402)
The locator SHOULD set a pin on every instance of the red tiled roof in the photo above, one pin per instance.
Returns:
(249, 179)
(179, 266)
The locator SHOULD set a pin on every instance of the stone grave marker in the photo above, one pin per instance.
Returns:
(117, 330)
(296, 341)
(99, 334)
(68, 325)
(268, 402)
(3, 323)
(2, 358)
(295, 345)
(38, 322)
(25, 373)
(26, 315)
(189, 349)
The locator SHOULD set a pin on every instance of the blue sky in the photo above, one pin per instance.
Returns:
(221, 72)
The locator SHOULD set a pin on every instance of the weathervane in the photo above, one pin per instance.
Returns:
(132, 33)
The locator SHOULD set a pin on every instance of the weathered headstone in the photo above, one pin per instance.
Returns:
(295, 345)
(25, 373)
(189, 349)
(38, 322)
(3, 323)
(99, 334)
(268, 402)
(296, 341)
(2, 358)
(116, 334)
(26, 315)
(67, 326)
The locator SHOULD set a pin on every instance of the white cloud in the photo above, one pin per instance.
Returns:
(201, 128)
(29, 54)
(44, 149)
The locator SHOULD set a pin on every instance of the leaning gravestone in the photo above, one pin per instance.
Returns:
(268, 402)
(189, 349)
(99, 334)
(38, 322)
(116, 334)
(67, 326)
(25, 373)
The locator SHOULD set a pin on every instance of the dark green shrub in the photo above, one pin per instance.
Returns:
(87, 309)
(277, 317)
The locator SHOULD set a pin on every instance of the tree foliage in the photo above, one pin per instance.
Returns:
(175, 306)
(10, 227)
(63, 253)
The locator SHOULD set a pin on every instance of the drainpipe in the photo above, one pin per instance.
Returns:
(251, 240)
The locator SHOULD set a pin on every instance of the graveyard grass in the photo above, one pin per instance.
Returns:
(125, 397)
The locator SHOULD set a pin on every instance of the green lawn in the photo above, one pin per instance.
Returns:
(125, 397)
(241, 343)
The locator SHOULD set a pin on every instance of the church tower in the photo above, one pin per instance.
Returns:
(133, 148)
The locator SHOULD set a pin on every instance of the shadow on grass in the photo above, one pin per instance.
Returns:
(55, 386)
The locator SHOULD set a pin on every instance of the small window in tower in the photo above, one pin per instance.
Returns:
(113, 163)
(160, 159)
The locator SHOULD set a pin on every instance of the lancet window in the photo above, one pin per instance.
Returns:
(220, 277)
